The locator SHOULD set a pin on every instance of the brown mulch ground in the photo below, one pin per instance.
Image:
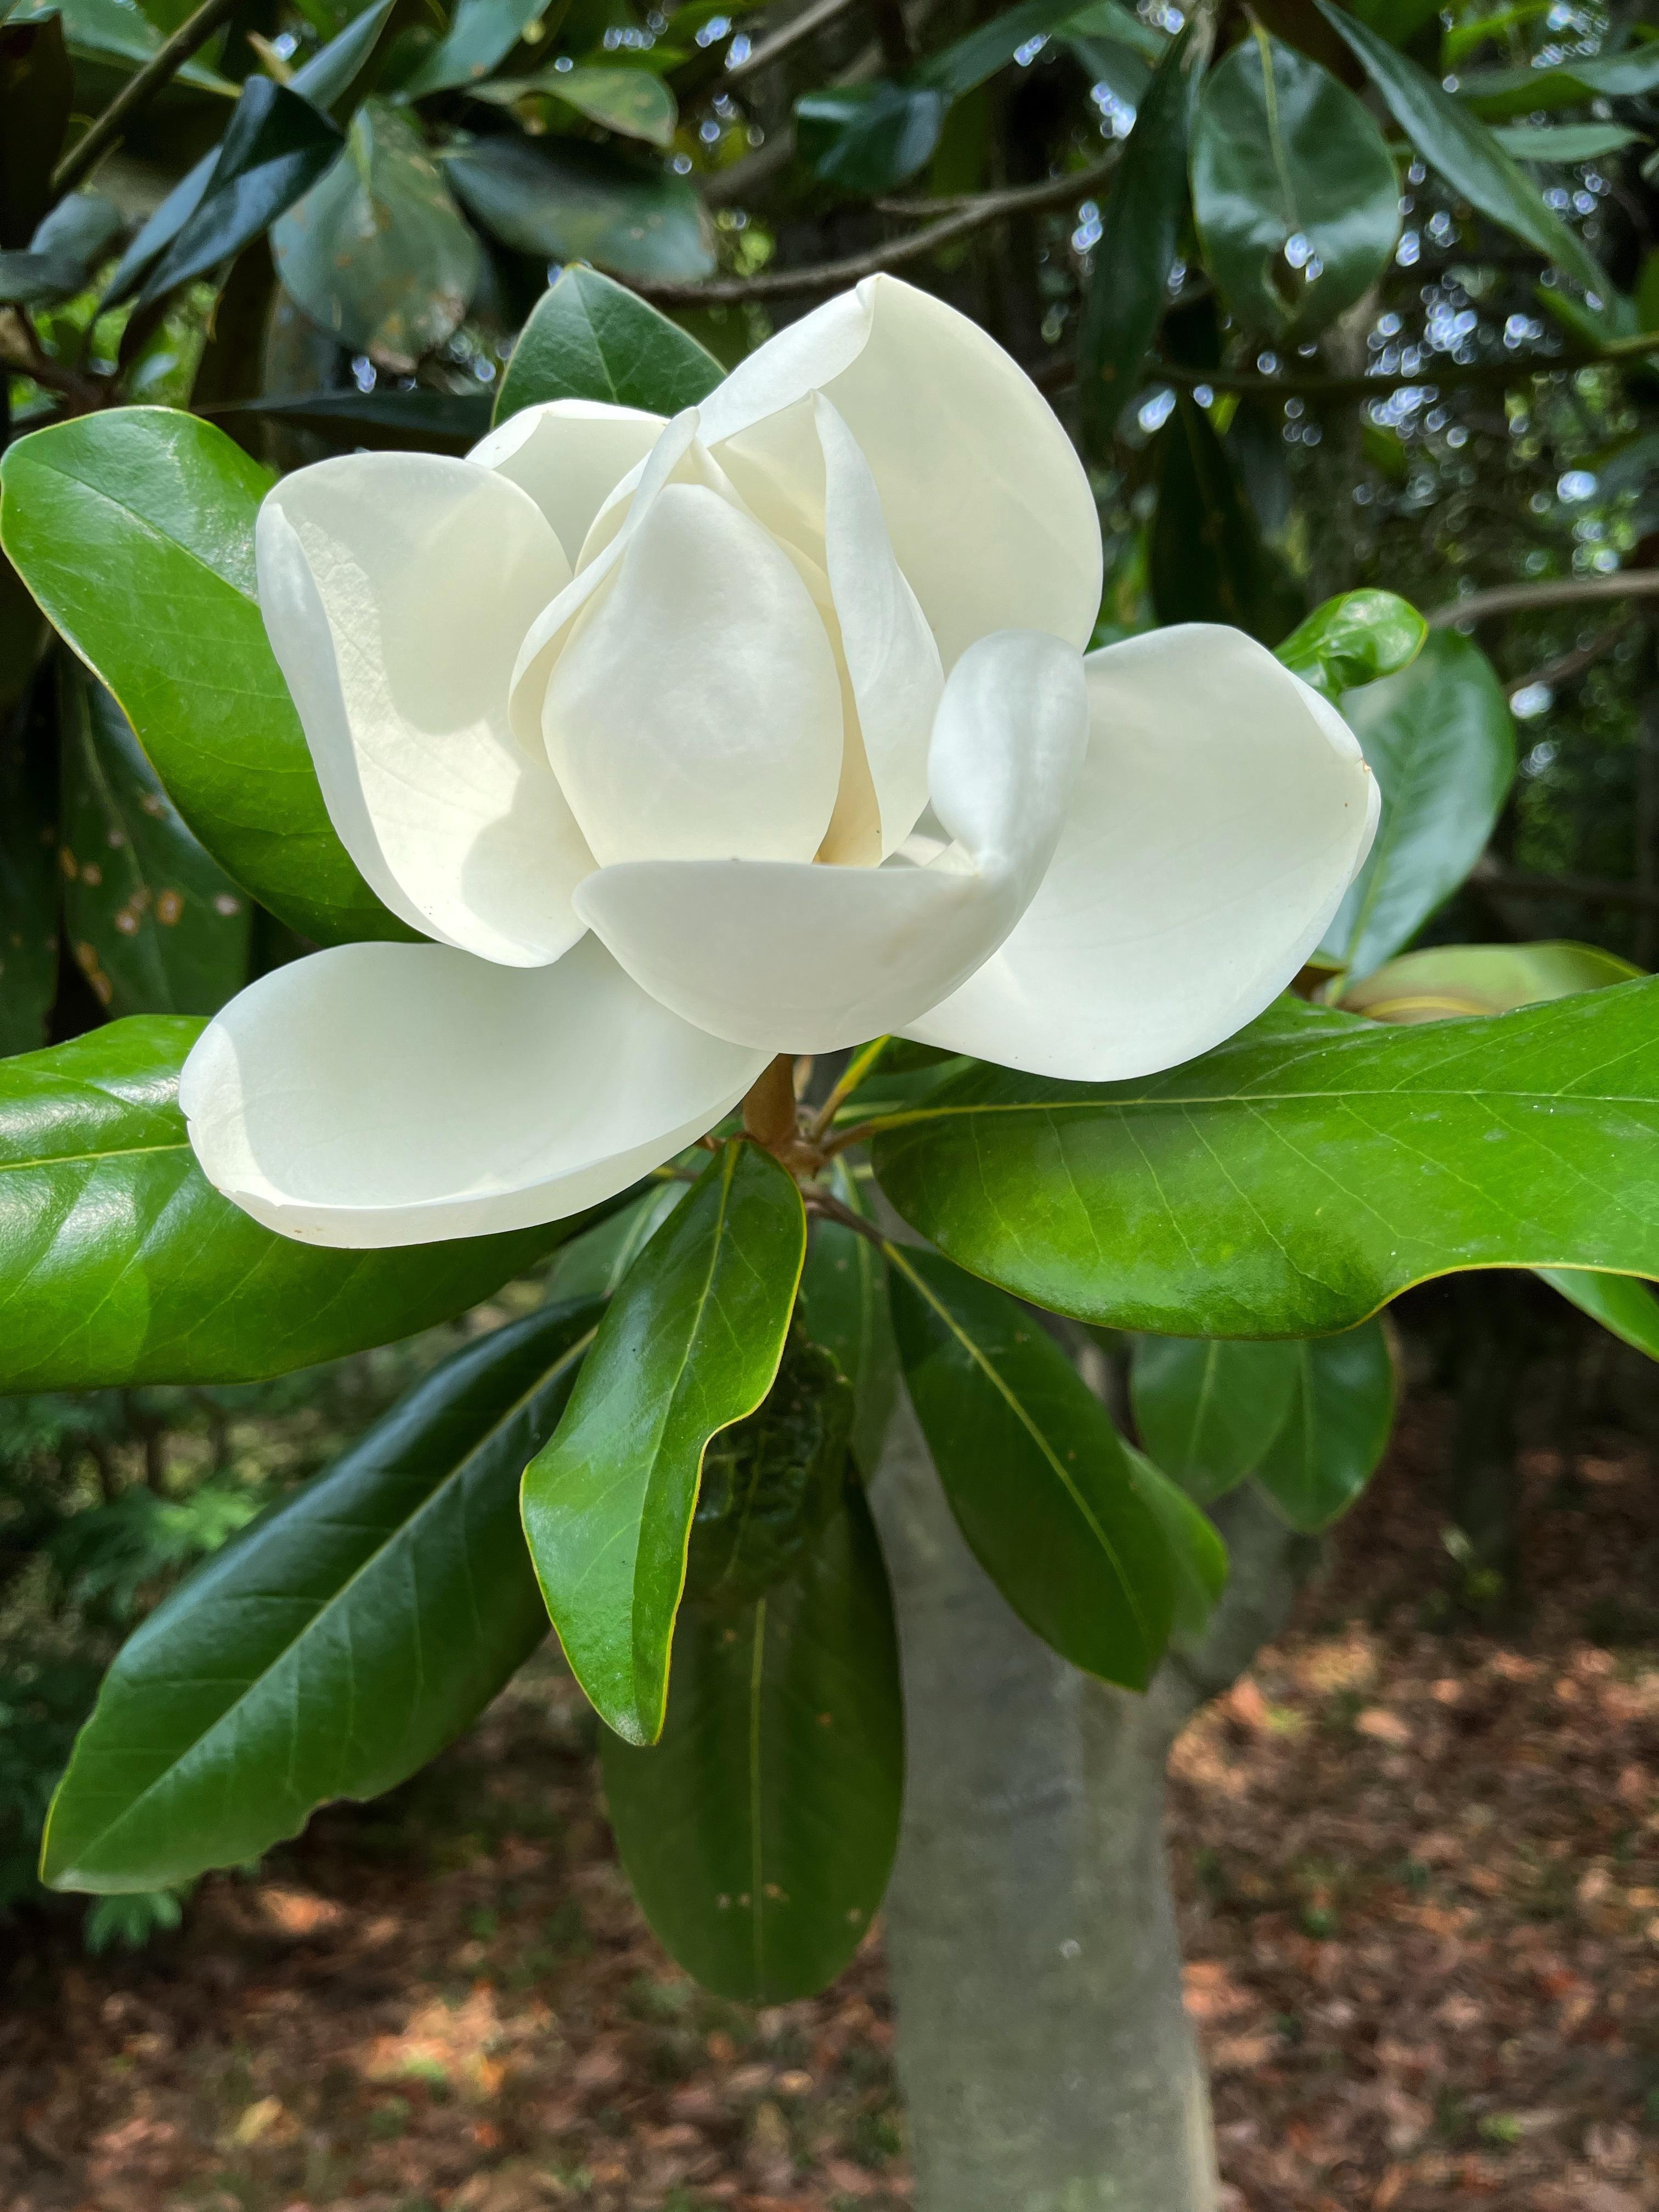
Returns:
(1419, 1868)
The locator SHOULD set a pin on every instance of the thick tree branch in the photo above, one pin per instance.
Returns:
(136, 94)
(1559, 592)
(833, 276)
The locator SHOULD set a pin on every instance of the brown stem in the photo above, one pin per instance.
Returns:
(1559, 591)
(136, 94)
(833, 276)
(824, 1202)
(27, 357)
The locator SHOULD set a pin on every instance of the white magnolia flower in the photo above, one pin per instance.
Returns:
(764, 730)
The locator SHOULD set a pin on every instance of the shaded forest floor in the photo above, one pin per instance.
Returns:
(1419, 1862)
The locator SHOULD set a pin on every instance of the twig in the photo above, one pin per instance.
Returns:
(30, 358)
(832, 275)
(1568, 664)
(784, 41)
(1559, 591)
(136, 94)
(1490, 875)
(819, 1200)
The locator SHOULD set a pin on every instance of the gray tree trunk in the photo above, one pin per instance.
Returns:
(1044, 2053)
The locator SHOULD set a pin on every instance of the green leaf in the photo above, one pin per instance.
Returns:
(29, 887)
(1207, 1410)
(1141, 234)
(1441, 744)
(120, 1263)
(760, 1832)
(1336, 1431)
(1310, 1420)
(1286, 163)
(338, 1643)
(691, 1344)
(276, 147)
(1444, 981)
(1452, 140)
(134, 530)
(843, 1306)
(1296, 1179)
(1354, 639)
(1198, 1557)
(631, 101)
(483, 33)
(1208, 560)
(1526, 91)
(1034, 1472)
(1623, 1305)
(771, 1480)
(376, 253)
(866, 138)
(157, 927)
(592, 1266)
(37, 93)
(440, 422)
(563, 201)
(120, 31)
(1565, 142)
(588, 338)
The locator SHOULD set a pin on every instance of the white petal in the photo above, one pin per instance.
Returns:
(569, 455)
(893, 661)
(397, 589)
(987, 506)
(695, 709)
(1221, 814)
(793, 958)
(399, 1094)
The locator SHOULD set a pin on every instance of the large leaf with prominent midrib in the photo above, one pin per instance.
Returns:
(134, 530)
(120, 1263)
(691, 1344)
(760, 1831)
(843, 1306)
(331, 1650)
(1299, 1176)
(1035, 1473)
(590, 338)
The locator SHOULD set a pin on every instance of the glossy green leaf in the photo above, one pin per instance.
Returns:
(844, 1307)
(563, 201)
(1294, 192)
(134, 530)
(1141, 218)
(1208, 560)
(771, 1480)
(34, 280)
(1494, 94)
(865, 138)
(482, 34)
(1565, 142)
(1198, 1558)
(631, 101)
(276, 147)
(1444, 981)
(1354, 639)
(973, 59)
(691, 1344)
(338, 1643)
(1441, 744)
(155, 924)
(376, 253)
(589, 338)
(1206, 1409)
(62, 252)
(1335, 1429)
(120, 31)
(592, 1266)
(28, 885)
(1299, 1176)
(1310, 1420)
(120, 1263)
(1623, 1305)
(1456, 143)
(400, 421)
(37, 92)
(760, 1832)
(1034, 1472)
